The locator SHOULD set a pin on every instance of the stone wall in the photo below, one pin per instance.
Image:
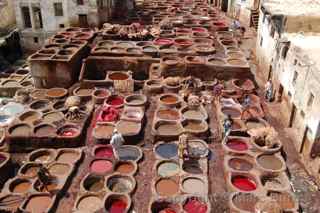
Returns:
(7, 16)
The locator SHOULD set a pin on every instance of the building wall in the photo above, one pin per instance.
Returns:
(96, 16)
(7, 15)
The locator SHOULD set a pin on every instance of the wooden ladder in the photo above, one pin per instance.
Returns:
(254, 18)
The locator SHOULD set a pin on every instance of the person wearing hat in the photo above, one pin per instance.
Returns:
(116, 142)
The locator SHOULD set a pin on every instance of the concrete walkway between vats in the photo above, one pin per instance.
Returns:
(303, 185)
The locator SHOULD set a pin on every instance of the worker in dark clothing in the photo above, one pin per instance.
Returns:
(44, 177)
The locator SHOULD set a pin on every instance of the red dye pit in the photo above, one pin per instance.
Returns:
(109, 114)
(115, 101)
(104, 152)
(198, 30)
(244, 183)
(68, 132)
(163, 41)
(118, 206)
(193, 205)
(168, 210)
(237, 145)
(101, 166)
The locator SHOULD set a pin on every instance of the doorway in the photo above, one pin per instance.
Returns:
(83, 20)
(280, 93)
(293, 115)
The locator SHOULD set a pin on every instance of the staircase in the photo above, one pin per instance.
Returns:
(254, 19)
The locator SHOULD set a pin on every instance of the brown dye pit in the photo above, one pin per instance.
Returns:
(84, 92)
(169, 99)
(53, 117)
(90, 204)
(50, 187)
(194, 114)
(68, 157)
(118, 76)
(43, 158)
(245, 201)
(103, 131)
(39, 94)
(124, 168)
(30, 116)
(20, 187)
(194, 126)
(284, 200)
(270, 162)
(20, 130)
(56, 92)
(59, 169)
(38, 204)
(240, 164)
(128, 127)
(94, 184)
(120, 184)
(31, 171)
(168, 114)
(167, 187)
(39, 105)
(236, 62)
(235, 55)
(45, 131)
(169, 129)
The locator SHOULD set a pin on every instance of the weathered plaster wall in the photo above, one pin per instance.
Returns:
(7, 15)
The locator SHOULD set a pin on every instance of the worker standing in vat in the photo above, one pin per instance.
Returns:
(116, 142)
(246, 105)
(44, 177)
(227, 124)
(182, 146)
(268, 90)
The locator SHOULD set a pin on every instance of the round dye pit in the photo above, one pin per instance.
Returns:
(11, 201)
(101, 93)
(125, 167)
(20, 130)
(149, 49)
(108, 114)
(168, 128)
(115, 100)
(68, 131)
(198, 148)
(168, 169)
(193, 114)
(236, 62)
(128, 127)
(38, 203)
(39, 94)
(101, 166)
(83, 92)
(125, 44)
(168, 114)
(127, 153)
(169, 99)
(273, 182)
(233, 112)
(56, 93)
(243, 183)
(163, 206)
(58, 169)
(194, 185)
(115, 203)
(30, 116)
(52, 117)
(195, 205)
(30, 170)
(20, 186)
(237, 144)
(120, 184)
(45, 130)
(163, 41)
(40, 104)
(89, 203)
(135, 100)
(195, 126)
(192, 167)
(270, 162)
(93, 183)
(103, 152)
(167, 150)
(135, 114)
(68, 156)
(58, 105)
(167, 187)
(103, 131)
(240, 164)
(52, 186)
(12, 109)
(42, 156)
(216, 61)
(117, 76)
(245, 201)
(284, 199)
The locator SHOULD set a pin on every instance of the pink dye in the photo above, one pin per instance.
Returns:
(118, 206)
(101, 166)
(243, 183)
(200, 30)
(104, 152)
(163, 41)
(68, 132)
(237, 145)
(193, 205)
